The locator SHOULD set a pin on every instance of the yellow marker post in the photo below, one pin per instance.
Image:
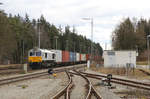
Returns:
(54, 75)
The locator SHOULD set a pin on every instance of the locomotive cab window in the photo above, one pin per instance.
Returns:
(32, 53)
(53, 56)
(45, 55)
(38, 53)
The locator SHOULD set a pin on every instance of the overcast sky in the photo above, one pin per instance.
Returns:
(107, 14)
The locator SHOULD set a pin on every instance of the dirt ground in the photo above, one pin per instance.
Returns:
(124, 92)
(101, 89)
(79, 90)
(39, 88)
(47, 86)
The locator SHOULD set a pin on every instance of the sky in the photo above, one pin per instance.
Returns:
(106, 14)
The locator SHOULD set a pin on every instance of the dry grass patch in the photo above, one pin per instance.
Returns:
(132, 73)
(133, 94)
(142, 63)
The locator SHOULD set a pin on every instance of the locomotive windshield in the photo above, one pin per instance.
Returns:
(38, 53)
(32, 53)
(35, 53)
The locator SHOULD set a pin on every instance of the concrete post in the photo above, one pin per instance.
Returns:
(25, 68)
(88, 64)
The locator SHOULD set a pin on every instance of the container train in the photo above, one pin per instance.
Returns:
(40, 58)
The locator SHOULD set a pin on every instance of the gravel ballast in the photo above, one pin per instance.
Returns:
(38, 88)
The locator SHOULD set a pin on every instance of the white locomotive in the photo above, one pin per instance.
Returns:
(41, 58)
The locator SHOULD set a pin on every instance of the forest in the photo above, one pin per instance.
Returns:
(20, 34)
(131, 34)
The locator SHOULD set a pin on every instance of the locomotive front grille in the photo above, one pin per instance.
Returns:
(35, 59)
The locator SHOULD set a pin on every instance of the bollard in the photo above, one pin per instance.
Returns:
(25, 68)
(50, 71)
(54, 75)
(88, 64)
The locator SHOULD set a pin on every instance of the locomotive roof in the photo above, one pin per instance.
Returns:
(42, 50)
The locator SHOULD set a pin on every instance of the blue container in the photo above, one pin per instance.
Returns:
(72, 57)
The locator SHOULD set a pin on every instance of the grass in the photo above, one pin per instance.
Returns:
(134, 94)
(23, 86)
(142, 63)
(132, 73)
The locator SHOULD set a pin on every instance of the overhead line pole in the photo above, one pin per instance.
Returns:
(39, 36)
(56, 37)
(91, 19)
(91, 39)
(148, 50)
(38, 28)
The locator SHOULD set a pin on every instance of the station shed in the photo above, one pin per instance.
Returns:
(120, 58)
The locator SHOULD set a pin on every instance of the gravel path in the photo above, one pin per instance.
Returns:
(103, 90)
(125, 92)
(39, 88)
(79, 90)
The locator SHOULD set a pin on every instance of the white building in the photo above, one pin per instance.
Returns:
(119, 58)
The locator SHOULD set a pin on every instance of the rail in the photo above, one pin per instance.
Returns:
(10, 66)
(33, 75)
(65, 90)
(145, 72)
(91, 89)
(131, 83)
(20, 78)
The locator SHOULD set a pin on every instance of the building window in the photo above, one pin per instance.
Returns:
(111, 53)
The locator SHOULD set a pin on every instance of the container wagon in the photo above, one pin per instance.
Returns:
(58, 57)
(72, 57)
(65, 58)
(77, 58)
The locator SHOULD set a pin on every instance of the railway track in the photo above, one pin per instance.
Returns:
(21, 78)
(9, 71)
(131, 83)
(66, 91)
(34, 75)
(91, 89)
(145, 72)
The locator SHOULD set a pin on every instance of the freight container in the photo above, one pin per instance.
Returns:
(97, 58)
(87, 56)
(94, 57)
(65, 56)
(80, 57)
(58, 55)
(77, 57)
(83, 57)
(72, 57)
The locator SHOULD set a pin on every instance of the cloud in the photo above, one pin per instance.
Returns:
(107, 14)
